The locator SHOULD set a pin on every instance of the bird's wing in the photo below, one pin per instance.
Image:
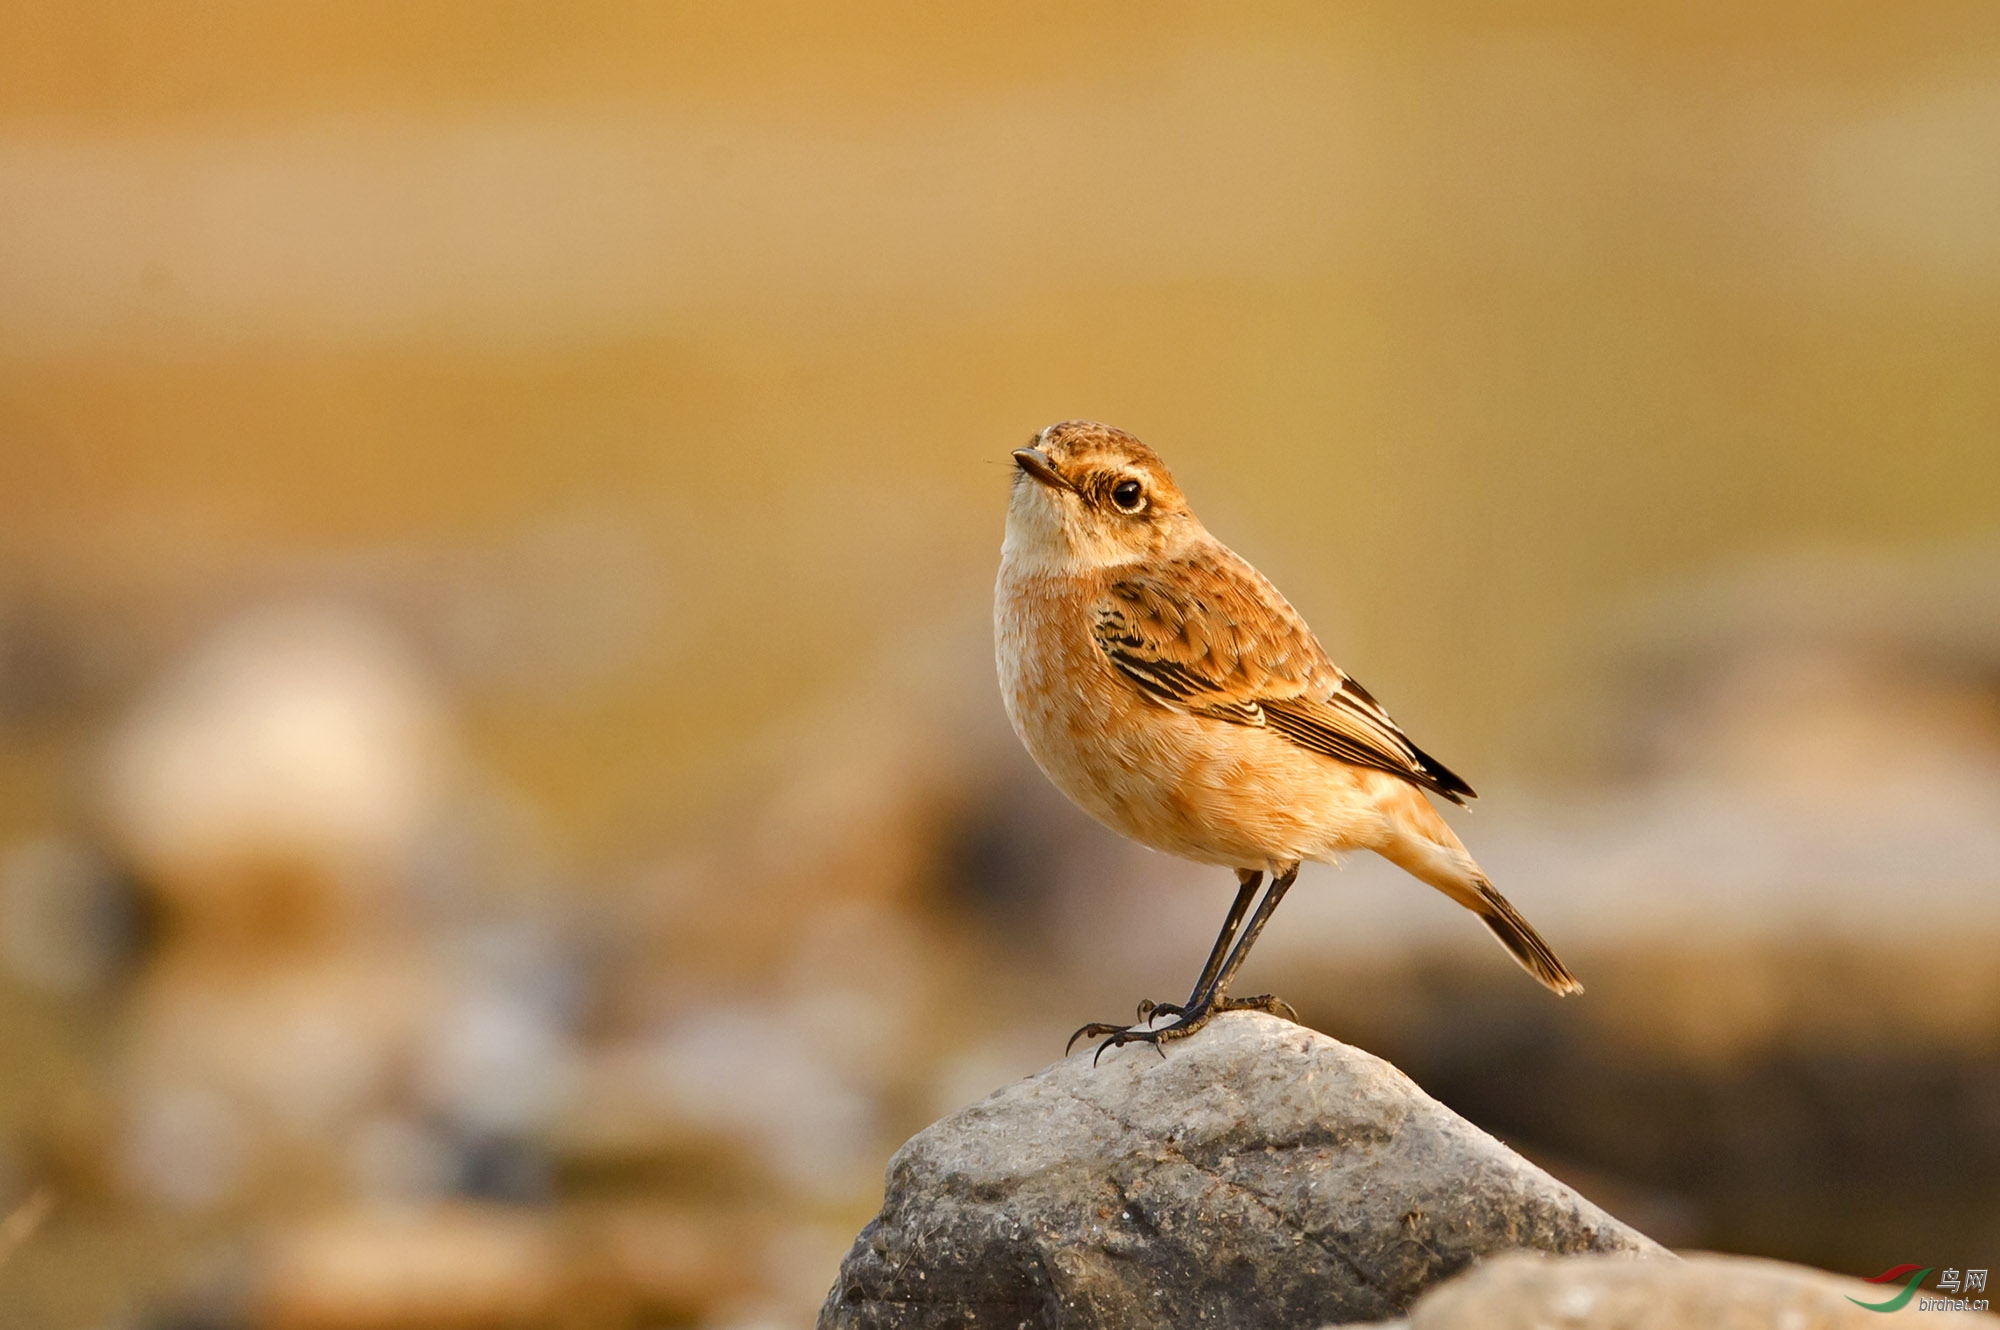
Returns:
(1212, 637)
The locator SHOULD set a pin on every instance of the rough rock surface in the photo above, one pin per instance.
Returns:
(1260, 1174)
(1699, 1292)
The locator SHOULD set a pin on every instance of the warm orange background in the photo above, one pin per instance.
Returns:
(1468, 326)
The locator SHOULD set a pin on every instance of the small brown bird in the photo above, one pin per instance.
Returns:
(1169, 690)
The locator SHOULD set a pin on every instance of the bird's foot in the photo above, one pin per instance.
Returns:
(1117, 1036)
(1186, 1021)
(1276, 1006)
(1145, 1013)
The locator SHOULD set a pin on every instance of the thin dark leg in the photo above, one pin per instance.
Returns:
(1219, 985)
(1211, 996)
(1217, 998)
(1247, 881)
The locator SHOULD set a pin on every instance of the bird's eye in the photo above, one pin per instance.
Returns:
(1129, 495)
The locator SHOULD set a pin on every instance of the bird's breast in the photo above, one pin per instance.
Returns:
(1125, 760)
(1076, 717)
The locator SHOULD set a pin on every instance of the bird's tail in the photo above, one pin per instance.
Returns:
(1423, 845)
(1520, 938)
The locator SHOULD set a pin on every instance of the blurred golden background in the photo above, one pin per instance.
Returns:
(505, 816)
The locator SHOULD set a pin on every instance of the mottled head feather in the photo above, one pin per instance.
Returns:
(1094, 497)
(1095, 457)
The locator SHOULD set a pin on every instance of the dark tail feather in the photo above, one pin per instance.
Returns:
(1437, 776)
(1519, 937)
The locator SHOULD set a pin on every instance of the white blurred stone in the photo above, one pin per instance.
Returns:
(301, 736)
(185, 1144)
(495, 1059)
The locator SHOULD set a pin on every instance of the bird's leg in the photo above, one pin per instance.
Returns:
(1217, 998)
(1246, 887)
(1206, 1002)
(1247, 880)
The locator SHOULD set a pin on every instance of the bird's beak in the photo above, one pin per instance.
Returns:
(1036, 463)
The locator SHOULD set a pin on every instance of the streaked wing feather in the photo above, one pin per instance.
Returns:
(1214, 638)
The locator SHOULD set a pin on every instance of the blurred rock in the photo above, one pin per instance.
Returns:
(1818, 672)
(457, 1268)
(306, 1027)
(1259, 1174)
(497, 1056)
(302, 740)
(256, 1068)
(1698, 1292)
(746, 1087)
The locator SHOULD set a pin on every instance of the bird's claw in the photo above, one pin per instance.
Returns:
(1127, 1036)
(1117, 1036)
(1186, 1021)
(1264, 1002)
(1091, 1031)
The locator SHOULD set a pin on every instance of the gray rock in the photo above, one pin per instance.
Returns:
(1698, 1292)
(1261, 1174)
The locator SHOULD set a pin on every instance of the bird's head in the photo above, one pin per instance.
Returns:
(1089, 496)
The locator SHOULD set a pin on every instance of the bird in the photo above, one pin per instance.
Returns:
(1165, 686)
